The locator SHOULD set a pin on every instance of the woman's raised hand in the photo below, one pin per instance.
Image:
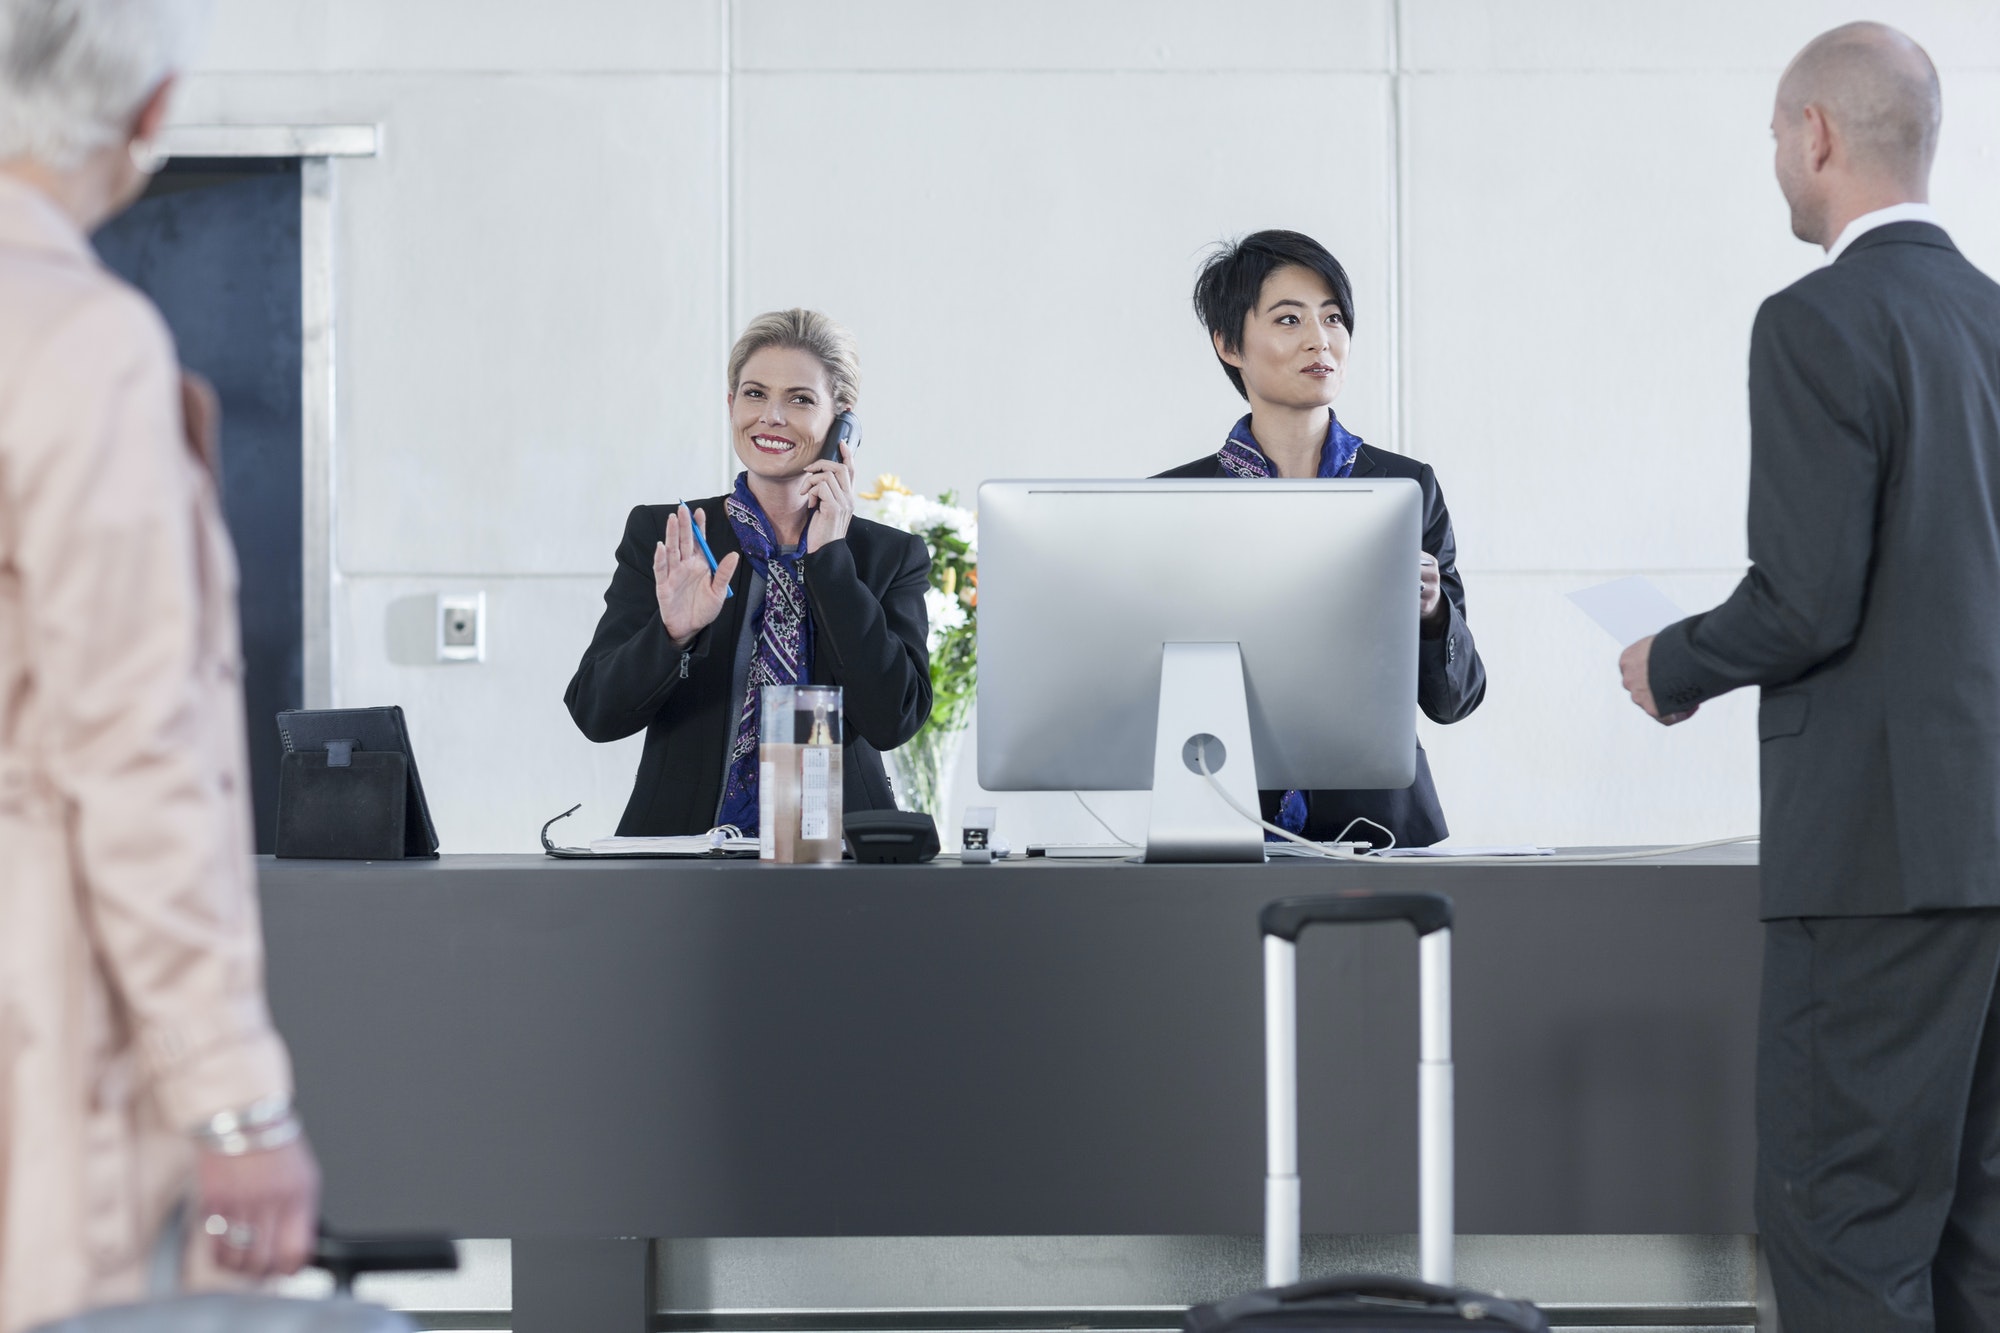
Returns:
(690, 597)
(829, 489)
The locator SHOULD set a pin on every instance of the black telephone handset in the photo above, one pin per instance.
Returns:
(846, 430)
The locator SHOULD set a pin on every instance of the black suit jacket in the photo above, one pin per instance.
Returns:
(866, 593)
(1871, 612)
(1451, 680)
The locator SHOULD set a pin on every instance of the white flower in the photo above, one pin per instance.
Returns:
(892, 509)
(946, 613)
(922, 515)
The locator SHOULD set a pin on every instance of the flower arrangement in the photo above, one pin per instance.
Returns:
(924, 765)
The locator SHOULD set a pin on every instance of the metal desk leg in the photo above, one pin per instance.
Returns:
(575, 1285)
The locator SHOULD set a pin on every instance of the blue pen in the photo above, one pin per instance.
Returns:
(706, 554)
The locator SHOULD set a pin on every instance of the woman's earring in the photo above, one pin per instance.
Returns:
(146, 157)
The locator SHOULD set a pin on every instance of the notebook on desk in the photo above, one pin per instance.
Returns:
(717, 843)
(694, 844)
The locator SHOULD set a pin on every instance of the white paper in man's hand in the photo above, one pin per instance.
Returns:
(1628, 609)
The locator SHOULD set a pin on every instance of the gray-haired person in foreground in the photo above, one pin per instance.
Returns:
(138, 1065)
(1871, 618)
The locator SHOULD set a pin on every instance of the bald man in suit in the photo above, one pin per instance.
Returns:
(1868, 617)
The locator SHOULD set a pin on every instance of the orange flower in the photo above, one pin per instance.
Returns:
(886, 484)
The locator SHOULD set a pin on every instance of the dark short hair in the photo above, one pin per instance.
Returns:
(1233, 279)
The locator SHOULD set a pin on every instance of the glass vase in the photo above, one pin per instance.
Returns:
(923, 769)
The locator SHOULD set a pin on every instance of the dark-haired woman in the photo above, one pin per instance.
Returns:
(1280, 312)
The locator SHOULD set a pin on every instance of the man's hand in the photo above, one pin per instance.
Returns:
(1634, 666)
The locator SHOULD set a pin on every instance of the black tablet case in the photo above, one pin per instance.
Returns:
(348, 787)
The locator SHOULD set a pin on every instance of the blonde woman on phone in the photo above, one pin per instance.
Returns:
(799, 591)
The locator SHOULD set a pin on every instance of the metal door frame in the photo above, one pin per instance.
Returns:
(315, 147)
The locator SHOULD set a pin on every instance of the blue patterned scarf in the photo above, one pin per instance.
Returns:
(784, 644)
(1240, 456)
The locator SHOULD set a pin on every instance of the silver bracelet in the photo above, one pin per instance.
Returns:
(244, 1142)
(266, 1123)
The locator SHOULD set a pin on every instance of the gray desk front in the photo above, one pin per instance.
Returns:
(514, 1046)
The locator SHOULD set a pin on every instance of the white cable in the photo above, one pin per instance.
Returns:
(1364, 819)
(1201, 758)
(1103, 823)
(1560, 858)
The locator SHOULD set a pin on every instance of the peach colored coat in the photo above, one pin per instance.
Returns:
(131, 963)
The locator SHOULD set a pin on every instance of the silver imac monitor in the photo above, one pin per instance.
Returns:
(1128, 627)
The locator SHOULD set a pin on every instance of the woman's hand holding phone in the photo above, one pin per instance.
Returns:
(690, 597)
(829, 490)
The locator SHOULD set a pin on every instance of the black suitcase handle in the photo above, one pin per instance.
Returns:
(347, 1257)
(1384, 1286)
(1285, 918)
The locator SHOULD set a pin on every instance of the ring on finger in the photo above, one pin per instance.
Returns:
(236, 1235)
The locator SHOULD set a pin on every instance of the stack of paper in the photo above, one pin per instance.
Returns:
(1521, 850)
(694, 844)
(1628, 609)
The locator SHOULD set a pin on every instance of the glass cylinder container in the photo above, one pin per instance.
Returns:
(800, 774)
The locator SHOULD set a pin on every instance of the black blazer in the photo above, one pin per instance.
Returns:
(866, 593)
(1451, 680)
(1869, 612)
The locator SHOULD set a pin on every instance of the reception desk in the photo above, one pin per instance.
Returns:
(566, 1052)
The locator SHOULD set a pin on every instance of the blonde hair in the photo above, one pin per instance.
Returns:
(809, 331)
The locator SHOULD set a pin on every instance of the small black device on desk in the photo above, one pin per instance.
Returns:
(348, 787)
(891, 837)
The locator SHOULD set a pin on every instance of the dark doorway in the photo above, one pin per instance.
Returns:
(215, 244)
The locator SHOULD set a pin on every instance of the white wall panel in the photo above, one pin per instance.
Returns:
(1583, 274)
(1559, 755)
(1015, 253)
(1702, 35)
(254, 36)
(530, 310)
(1061, 35)
(496, 748)
(1965, 185)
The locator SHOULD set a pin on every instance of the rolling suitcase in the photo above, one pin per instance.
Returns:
(1360, 1304)
(254, 1312)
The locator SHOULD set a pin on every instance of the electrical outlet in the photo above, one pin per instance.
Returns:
(461, 627)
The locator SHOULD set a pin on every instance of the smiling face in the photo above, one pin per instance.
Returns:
(1294, 351)
(781, 411)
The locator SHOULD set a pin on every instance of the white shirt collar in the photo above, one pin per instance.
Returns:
(1882, 217)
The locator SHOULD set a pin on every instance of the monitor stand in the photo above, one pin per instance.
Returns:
(1202, 702)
